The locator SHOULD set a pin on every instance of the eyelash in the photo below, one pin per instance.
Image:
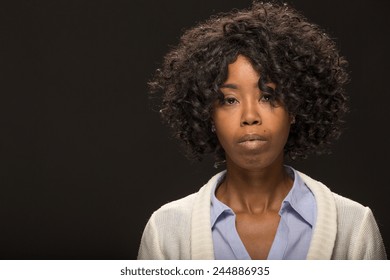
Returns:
(231, 100)
(268, 97)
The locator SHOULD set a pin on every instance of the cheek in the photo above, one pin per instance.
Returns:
(279, 128)
(223, 125)
(283, 133)
(223, 135)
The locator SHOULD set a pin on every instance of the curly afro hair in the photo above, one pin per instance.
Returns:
(296, 55)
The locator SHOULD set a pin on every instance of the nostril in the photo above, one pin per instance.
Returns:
(254, 122)
(250, 116)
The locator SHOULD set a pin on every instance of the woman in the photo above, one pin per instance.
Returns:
(254, 87)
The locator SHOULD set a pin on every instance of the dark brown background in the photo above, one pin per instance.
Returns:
(84, 160)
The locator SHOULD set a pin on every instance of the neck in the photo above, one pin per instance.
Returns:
(254, 191)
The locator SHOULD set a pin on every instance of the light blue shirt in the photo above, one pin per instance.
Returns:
(292, 238)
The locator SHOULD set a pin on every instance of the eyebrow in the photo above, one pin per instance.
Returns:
(234, 86)
(231, 86)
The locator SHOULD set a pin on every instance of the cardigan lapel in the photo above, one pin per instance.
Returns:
(325, 230)
(201, 237)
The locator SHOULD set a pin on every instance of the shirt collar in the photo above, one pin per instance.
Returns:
(217, 207)
(298, 199)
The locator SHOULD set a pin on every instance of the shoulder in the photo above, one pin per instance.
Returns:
(176, 209)
(349, 206)
(167, 234)
(323, 192)
(357, 233)
(347, 212)
(181, 210)
(359, 236)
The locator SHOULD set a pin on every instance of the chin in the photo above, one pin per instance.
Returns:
(257, 163)
(253, 164)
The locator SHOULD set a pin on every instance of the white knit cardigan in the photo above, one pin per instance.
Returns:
(181, 229)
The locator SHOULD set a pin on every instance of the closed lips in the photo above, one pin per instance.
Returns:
(251, 137)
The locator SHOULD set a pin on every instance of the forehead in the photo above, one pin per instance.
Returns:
(242, 69)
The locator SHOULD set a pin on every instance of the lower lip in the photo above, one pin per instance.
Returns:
(252, 145)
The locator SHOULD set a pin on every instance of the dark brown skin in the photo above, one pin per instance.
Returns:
(253, 134)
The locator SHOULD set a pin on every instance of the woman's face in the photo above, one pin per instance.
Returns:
(252, 132)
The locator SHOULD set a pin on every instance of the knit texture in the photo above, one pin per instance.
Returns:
(344, 228)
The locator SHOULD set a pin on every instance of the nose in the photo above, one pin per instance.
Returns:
(250, 115)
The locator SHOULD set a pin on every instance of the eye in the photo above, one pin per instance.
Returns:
(266, 98)
(269, 99)
(230, 101)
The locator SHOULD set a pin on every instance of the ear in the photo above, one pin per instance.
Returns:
(292, 119)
